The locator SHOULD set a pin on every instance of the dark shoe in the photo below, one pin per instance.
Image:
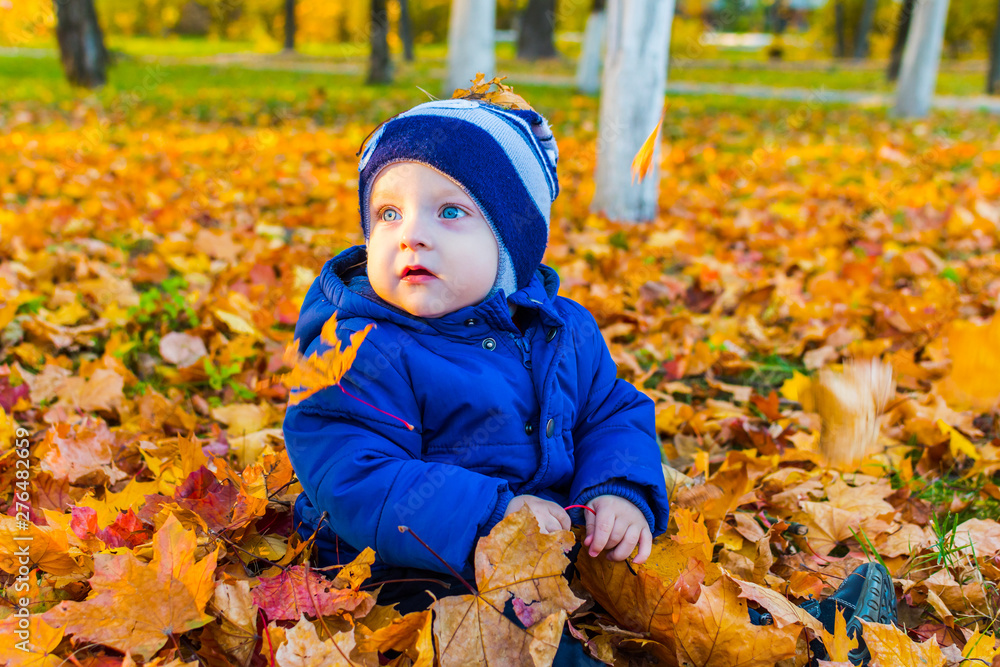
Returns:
(867, 594)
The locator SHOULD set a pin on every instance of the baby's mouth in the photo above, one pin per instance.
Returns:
(416, 275)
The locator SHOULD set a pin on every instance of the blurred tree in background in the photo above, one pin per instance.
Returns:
(969, 27)
(536, 31)
(81, 43)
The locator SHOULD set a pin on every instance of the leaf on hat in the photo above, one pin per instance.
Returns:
(504, 96)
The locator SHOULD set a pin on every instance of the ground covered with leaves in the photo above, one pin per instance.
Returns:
(152, 265)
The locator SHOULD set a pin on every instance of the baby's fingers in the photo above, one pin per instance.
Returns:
(627, 543)
(645, 546)
(562, 518)
(604, 524)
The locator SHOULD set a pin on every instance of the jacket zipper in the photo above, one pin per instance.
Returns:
(524, 345)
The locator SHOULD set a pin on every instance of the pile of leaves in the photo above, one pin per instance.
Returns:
(151, 273)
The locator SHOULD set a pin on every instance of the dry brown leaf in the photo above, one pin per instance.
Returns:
(514, 560)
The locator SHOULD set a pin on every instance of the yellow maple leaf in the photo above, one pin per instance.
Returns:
(35, 647)
(958, 443)
(980, 647)
(974, 381)
(838, 644)
(797, 388)
(310, 375)
(891, 647)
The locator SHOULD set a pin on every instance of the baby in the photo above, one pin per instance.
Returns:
(479, 390)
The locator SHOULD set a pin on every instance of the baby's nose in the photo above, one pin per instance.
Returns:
(415, 233)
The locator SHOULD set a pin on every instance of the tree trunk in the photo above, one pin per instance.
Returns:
(289, 25)
(921, 58)
(379, 64)
(840, 50)
(861, 44)
(902, 30)
(81, 43)
(536, 37)
(634, 85)
(588, 69)
(406, 30)
(993, 75)
(471, 33)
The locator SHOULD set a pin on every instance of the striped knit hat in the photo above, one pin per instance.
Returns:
(504, 159)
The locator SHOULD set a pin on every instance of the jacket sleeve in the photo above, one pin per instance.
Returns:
(614, 438)
(364, 468)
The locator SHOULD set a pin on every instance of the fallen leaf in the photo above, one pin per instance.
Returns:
(891, 648)
(136, 606)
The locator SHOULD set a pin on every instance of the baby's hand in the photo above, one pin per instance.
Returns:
(551, 516)
(617, 522)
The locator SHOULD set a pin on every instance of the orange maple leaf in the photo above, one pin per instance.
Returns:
(716, 631)
(643, 160)
(411, 634)
(136, 606)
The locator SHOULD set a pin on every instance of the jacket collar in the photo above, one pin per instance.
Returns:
(465, 322)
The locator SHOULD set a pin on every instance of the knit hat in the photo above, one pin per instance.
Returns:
(504, 159)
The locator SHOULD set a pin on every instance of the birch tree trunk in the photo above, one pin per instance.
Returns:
(536, 37)
(902, 31)
(993, 75)
(921, 58)
(289, 25)
(379, 62)
(81, 43)
(634, 85)
(588, 69)
(471, 36)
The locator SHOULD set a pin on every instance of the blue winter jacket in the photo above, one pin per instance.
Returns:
(494, 413)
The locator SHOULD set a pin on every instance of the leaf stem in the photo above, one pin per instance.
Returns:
(408, 425)
(407, 529)
(268, 635)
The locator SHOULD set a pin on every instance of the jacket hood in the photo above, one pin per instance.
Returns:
(343, 286)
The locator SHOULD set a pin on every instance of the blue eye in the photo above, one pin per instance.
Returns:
(389, 211)
(445, 213)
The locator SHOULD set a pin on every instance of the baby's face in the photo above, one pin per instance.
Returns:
(419, 216)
